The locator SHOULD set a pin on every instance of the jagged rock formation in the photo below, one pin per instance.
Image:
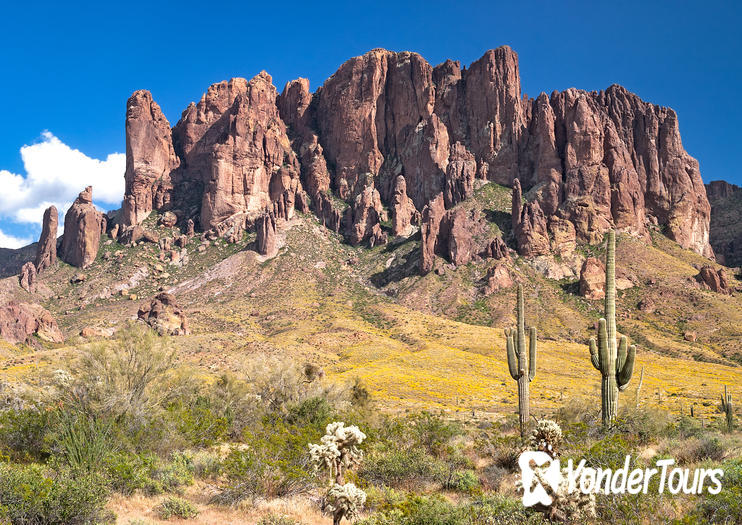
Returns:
(266, 240)
(82, 230)
(46, 250)
(19, 321)
(27, 277)
(726, 228)
(390, 132)
(150, 159)
(164, 315)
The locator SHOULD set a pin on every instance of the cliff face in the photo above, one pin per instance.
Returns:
(726, 228)
(387, 122)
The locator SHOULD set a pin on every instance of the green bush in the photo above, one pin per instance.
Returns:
(23, 434)
(462, 481)
(33, 494)
(726, 506)
(276, 519)
(402, 468)
(83, 441)
(128, 473)
(198, 422)
(174, 507)
(435, 510)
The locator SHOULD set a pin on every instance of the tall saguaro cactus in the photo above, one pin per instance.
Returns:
(521, 370)
(614, 362)
(727, 408)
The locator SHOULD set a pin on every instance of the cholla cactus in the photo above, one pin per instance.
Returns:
(337, 452)
(566, 506)
(338, 449)
(546, 437)
(344, 501)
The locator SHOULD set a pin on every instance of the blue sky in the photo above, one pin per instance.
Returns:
(67, 71)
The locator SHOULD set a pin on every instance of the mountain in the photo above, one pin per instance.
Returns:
(726, 227)
(377, 226)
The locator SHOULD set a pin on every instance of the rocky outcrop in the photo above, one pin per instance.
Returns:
(150, 159)
(497, 278)
(592, 279)
(20, 321)
(82, 227)
(430, 224)
(266, 241)
(164, 315)
(404, 213)
(715, 280)
(46, 250)
(586, 161)
(726, 227)
(496, 249)
(27, 277)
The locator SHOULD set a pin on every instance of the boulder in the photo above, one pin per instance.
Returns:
(715, 280)
(164, 315)
(592, 279)
(168, 219)
(20, 321)
(82, 227)
(497, 249)
(497, 279)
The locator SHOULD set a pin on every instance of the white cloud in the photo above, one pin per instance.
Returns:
(55, 174)
(9, 241)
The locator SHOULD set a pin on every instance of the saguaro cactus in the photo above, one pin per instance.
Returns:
(727, 408)
(521, 370)
(614, 362)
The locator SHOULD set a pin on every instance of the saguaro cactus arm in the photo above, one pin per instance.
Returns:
(627, 369)
(594, 357)
(512, 358)
(532, 354)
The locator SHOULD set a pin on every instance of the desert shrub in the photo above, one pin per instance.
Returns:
(435, 510)
(609, 452)
(696, 450)
(277, 519)
(197, 421)
(493, 476)
(123, 379)
(128, 473)
(34, 494)
(273, 463)
(175, 507)
(462, 481)
(23, 433)
(206, 463)
(726, 506)
(83, 441)
(402, 468)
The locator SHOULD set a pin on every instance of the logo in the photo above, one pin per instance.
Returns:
(533, 494)
(542, 475)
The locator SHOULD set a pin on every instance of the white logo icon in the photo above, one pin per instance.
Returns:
(533, 494)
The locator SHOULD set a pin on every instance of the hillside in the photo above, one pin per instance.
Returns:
(431, 341)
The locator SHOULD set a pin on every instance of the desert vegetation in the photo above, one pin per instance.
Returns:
(127, 421)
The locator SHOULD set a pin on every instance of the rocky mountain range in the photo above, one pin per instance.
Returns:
(390, 146)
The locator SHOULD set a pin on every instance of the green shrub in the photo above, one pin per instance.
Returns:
(276, 519)
(198, 422)
(174, 507)
(726, 506)
(83, 441)
(435, 510)
(696, 450)
(33, 494)
(402, 468)
(462, 481)
(23, 434)
(128, 473)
